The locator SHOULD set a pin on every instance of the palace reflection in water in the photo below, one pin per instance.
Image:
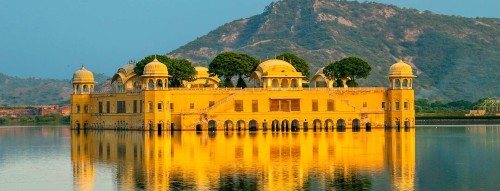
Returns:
(246, 160)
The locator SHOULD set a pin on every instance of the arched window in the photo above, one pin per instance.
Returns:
(159, 83)
(86, 108)
(151, 84)
(284, 83)
(78, 88)
(77, 108)
(405, 83)
(397, 83)
(294, 84)
(137, 85)
(86, 88)
(275, 84)
(150, 107)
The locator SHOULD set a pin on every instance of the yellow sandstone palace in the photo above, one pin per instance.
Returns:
(277, 102)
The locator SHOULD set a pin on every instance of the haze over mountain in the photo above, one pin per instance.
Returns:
(37, 91)
(454, 57)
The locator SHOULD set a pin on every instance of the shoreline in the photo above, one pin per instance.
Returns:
(448, 121)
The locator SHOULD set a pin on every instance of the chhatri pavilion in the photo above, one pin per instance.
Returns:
(276, 102)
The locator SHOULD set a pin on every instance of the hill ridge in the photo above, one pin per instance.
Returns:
(442, 49)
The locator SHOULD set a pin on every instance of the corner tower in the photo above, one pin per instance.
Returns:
(156, 96)
(400, 111)
(83, 85)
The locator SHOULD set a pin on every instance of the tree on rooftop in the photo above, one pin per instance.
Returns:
(229, 64)
(350, 68)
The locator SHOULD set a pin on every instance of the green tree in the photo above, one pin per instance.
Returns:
(350, 68)
(179, 69)
(299, 63)
(229, 64)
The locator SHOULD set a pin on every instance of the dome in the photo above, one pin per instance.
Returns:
(155, 68)
(201, 71)
(275, 65)
(400, 69)
(83, 76)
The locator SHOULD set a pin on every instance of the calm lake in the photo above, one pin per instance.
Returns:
(425, 158)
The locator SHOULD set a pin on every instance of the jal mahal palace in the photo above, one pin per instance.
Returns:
(276, 102)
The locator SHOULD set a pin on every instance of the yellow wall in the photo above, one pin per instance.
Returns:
(364, 104)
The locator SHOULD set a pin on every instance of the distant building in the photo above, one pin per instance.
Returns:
(277, 102)
(36, 111)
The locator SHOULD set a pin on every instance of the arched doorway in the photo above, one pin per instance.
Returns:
(228, 125)
(407, 123)
(306, 125)
(340, 124)
(264, 125)
(285, 125)
(275, 125)
(397, 123)
(368, 126)
(212, 125)
(160, 126)
(199, 127)
(317, 124)
(77, 125)
(253, 125)
(329, 124)
(295, 125)
(241, 125)
(356, 124)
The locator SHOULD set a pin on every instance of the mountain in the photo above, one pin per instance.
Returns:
(454, 57)
(37, 91)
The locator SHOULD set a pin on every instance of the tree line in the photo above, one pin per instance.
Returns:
(230, 65)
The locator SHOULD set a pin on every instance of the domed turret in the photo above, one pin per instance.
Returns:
(155, 68)
(400, 75)
(83, 81)
(401, 69)
(83, 76)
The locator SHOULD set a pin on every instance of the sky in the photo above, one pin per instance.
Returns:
(52, 39)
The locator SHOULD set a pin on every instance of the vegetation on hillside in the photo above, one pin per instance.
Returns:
(454, 57)
(423, 105)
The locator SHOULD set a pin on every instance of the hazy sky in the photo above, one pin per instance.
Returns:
(53, 38)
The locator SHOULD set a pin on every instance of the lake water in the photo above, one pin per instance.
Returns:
(425, 158)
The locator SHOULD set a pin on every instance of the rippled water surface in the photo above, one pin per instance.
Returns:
(425, 158)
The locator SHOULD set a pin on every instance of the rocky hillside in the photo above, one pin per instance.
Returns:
(37, 91)
(454, 57)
